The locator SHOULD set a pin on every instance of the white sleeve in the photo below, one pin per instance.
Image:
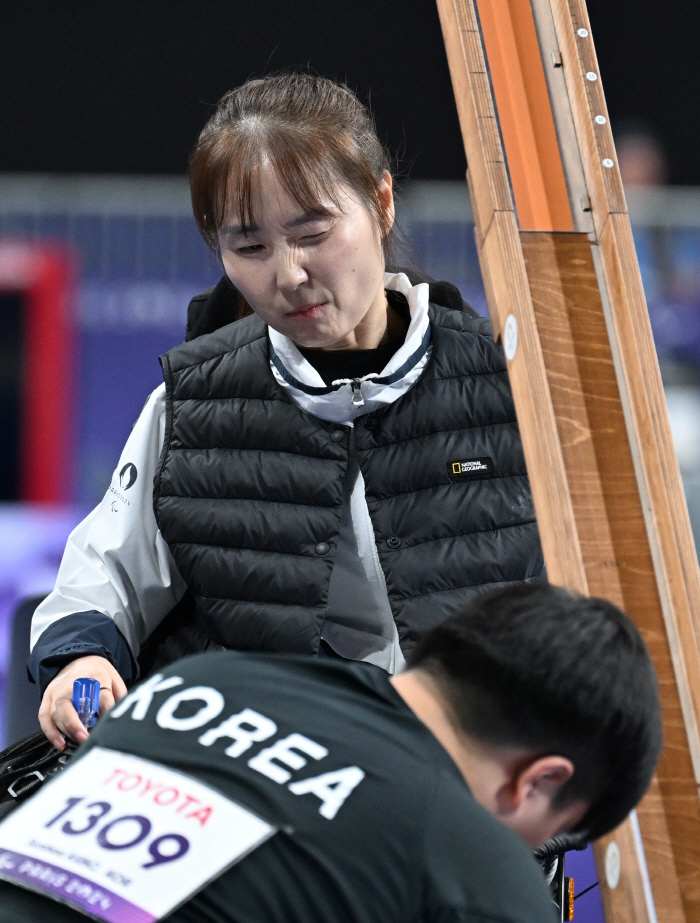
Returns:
(116, 561)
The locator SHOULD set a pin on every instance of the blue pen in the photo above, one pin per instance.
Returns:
(86, 699)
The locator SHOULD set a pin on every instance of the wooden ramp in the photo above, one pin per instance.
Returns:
(565, 295)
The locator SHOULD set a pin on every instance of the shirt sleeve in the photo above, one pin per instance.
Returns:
(116, 563)
(79, 635)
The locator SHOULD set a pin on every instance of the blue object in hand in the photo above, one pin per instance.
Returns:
(86, 699)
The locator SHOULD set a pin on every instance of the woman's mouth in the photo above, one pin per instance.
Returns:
(306, 311)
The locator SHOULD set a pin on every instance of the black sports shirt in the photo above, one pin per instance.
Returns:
(392, 835)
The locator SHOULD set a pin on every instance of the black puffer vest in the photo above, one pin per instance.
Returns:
(248, 492)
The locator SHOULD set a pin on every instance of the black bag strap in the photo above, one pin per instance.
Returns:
(26, 765)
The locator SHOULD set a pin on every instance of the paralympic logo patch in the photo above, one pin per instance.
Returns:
(127, 476)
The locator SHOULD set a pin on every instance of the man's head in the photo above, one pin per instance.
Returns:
(554, 703)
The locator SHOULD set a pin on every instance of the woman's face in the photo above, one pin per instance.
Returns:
(316, 277)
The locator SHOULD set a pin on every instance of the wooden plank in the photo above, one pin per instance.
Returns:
(504, 268)
(659, 844)
(554, 72)
(588, 109)
(498, 247)
(670, 542)
(582, 386)
(525, 116)
(612, 532)
(489, 184)
(668, 526)
(586, 359)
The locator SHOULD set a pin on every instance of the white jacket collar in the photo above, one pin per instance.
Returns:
(336, 405)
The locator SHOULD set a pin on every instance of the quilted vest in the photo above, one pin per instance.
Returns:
(248, 492)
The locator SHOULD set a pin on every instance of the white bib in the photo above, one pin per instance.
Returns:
(123, 839)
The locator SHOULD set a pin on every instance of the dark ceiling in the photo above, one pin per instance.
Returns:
(124, 87)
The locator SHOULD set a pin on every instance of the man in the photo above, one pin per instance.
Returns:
(418, 797)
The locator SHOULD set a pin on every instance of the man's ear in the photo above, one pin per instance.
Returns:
(524, 800)
(540, 779)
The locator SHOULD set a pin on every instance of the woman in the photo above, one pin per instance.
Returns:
(332, 474)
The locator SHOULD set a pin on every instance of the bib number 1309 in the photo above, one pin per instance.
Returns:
(124, 839)
(123, 832)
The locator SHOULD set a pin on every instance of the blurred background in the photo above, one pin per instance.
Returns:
(99, 256)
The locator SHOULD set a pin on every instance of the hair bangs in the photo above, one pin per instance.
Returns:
(319, 139)
(311, 174)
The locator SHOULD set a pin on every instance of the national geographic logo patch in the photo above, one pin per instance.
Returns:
(470, 469)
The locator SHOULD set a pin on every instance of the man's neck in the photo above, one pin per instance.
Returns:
(482, 769)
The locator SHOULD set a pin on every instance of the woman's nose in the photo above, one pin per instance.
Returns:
(291, 271)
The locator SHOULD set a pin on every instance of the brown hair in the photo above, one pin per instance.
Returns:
(314, 132)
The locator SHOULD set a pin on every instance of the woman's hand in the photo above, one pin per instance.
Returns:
(58, 717)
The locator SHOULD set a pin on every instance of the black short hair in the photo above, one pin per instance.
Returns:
(537, 667)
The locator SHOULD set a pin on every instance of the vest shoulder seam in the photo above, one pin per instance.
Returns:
(219, 354)
(223, 351)
(442, 312)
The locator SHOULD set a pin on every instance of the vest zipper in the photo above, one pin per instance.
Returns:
(357, 398)
(356, 386)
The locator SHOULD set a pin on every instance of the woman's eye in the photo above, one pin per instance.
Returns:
(310, 238)
(251, 248)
